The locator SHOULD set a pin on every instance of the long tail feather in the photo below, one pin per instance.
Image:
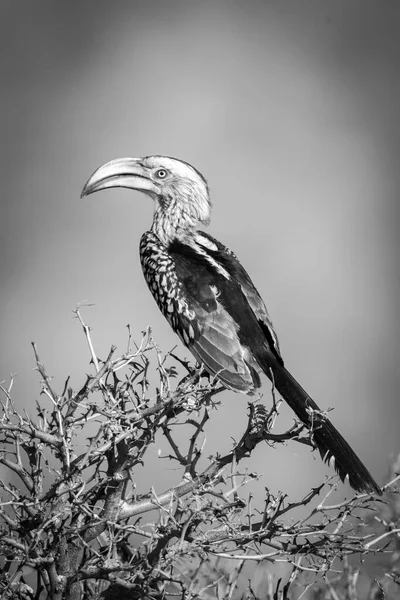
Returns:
(332, 446)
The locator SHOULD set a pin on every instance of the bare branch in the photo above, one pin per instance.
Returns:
(72, 508)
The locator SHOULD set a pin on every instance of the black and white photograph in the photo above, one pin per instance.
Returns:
(199, 291)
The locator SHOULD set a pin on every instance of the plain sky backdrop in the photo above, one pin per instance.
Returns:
(291, 111)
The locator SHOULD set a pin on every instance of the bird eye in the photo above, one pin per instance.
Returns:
(161, 173)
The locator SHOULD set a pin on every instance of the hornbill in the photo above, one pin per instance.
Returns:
(209, 299)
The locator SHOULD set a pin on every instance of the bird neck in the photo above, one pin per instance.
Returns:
(173, 222)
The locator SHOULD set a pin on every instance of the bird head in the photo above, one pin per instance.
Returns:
(180, 192)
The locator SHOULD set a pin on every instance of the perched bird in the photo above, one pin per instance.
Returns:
(209, 299)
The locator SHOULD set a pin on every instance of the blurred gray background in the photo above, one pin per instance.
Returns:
(291, 111)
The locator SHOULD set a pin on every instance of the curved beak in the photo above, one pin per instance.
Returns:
(121, 172)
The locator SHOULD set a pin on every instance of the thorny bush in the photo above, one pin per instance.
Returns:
(75, 527)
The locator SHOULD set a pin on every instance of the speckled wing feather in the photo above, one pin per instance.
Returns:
(188, 295)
